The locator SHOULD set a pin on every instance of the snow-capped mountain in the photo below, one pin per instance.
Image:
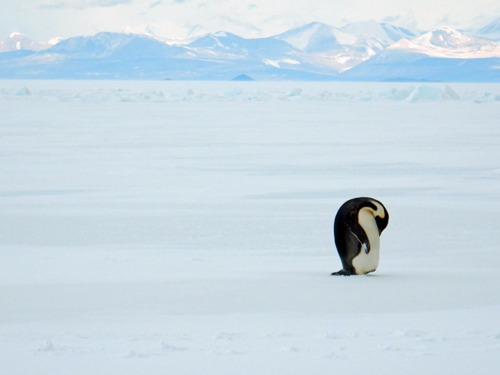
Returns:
(222, 44)
(395, 33)
(343, 48)
(213, 24)
(107, 45)
(131, 56)
(383, 33)
(440, 55)
(17, 41)
(317, 37)
(449, 43)
(358, 51)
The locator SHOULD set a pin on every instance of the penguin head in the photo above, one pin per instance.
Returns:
(379, 212)
(382, 222)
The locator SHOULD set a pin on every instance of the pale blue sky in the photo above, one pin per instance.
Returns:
(44, 19)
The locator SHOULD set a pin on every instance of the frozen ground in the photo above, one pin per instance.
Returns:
(190, 232)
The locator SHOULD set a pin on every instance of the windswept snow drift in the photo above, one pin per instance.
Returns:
(194, 235)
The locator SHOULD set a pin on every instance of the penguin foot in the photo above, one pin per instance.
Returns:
(342, 272)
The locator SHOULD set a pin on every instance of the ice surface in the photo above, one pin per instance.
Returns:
(186, 227)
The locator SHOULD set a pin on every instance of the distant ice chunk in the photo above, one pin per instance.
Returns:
(23, 91)
(366, 96)
(46, 346)
(152, 95)
(170, 348)
(324, 95)
(188, 95)
(386, 93)
(259, 95)
(232, 93)
(451, 93)
(487, 97)
(425, 93)
(402, 94)
(294, 93)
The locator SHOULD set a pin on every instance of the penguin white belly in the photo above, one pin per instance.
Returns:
(364, 263)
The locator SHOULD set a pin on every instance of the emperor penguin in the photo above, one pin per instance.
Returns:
(357, 229)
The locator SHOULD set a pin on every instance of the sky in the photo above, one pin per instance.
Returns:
(45, 19)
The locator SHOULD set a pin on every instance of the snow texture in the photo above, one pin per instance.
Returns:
(186, 228)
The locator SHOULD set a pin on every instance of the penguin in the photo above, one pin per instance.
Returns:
(357, 228)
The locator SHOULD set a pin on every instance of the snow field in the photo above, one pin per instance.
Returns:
(195, 236)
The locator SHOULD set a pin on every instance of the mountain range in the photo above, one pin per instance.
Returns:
(363, 51)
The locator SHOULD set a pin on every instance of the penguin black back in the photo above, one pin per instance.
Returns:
(357, 228)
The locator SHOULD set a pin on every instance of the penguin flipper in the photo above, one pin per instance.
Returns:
(359, 233)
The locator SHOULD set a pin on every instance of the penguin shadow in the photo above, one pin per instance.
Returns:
(380, 276)
(374, 274)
